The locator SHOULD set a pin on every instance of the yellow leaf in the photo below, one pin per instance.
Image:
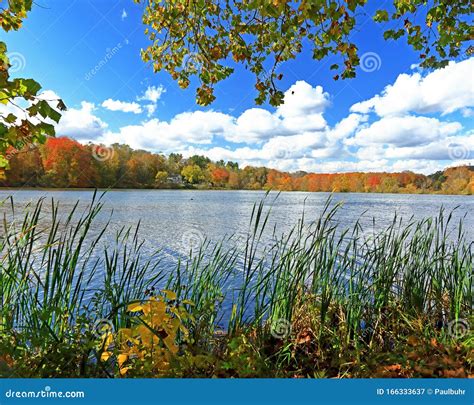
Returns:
(124, 370)
(171, 295)
(125, 333)
(135, 307)
(122, 358)
(107, 340)
(105, 356)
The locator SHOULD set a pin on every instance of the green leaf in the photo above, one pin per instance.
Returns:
(32, 86)
(381, 15)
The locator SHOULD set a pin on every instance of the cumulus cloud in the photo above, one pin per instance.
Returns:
(152, 93)
(81, 123)
(124, 106)
(441, 91)
(148, 99)
(404, 131)
(303, 107)
(302, 116)
(296, 135)
(186, 128)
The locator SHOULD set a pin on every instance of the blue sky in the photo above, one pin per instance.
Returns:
(88, 53)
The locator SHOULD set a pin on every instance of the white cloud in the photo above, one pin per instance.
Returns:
(152, 93)
(404, 131)
(347, 126)
(295, 136)
(124, 106)
(301, 116)
(441, 91)
(19, 106)
(303, 99)
(150, 109)
(81, 123)
(254, 125)
(186, 128)
(303, 107)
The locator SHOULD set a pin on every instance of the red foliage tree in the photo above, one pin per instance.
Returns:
(67, 163)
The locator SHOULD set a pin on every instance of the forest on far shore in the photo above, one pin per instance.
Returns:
(63, 162)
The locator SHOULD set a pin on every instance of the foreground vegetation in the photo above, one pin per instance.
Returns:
(63, 162)
(318, 301)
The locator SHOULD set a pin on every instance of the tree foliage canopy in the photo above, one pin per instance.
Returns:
(206, 38)
(64, 162)
(36, 120)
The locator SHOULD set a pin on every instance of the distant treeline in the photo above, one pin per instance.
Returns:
(63, 162)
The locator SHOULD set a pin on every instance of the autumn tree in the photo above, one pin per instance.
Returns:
(161, 178)
(26, 166)
(64, 162)
(193, 174)
(457, 180)
(67, 163)
(254, 178)
(234, 181)
(219, 176)
(208, 38)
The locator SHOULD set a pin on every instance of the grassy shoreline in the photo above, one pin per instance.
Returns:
(316, 302)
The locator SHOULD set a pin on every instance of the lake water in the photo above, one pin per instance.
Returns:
(174, 220)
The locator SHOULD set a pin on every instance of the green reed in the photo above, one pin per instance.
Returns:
(57, 270)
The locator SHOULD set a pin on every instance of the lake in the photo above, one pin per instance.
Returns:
(175, 220)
